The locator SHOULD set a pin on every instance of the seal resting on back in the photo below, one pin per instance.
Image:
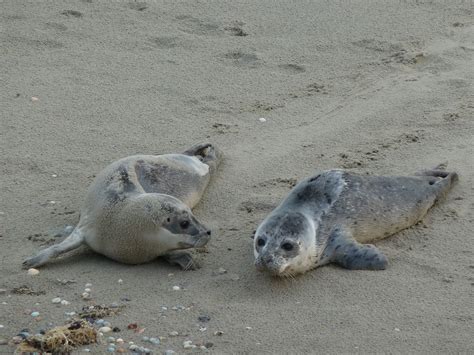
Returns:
(327, 218)
(139, 208)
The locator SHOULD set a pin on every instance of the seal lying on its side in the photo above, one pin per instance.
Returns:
(139, 208)
(325, 219)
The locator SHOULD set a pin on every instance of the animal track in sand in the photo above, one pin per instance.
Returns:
(36, 43)
(223, 128)
(309, 90)
(361, 159)
(165, 42)
(240, 58)
(285, 182)
(292, 68)
(236, 29)
(138, 6)
(255, 206)
(71, 13)
(192, 25)
(55, 26)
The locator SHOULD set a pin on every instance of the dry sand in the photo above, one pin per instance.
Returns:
(371, 86)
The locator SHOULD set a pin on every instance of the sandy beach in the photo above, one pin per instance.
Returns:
(376, 87)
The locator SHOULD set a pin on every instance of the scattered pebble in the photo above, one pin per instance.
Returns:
(33, 272)
(173, 334)
(132, 326)
(56, 300)
(262, 119)
(100, 322)
(65, 303)
(116, 329)
(111, 339)
(221, 270)
(3, 341)
(188, 344)
(119, 341)
(70, 314)
(176, 288)
(145, 338)
(219, 333)
(111, 349)
(88, 285)
(202, 329)
(248, 328)
(163, 308)
(87, 350)
(34, 98)
(397, 330)
(155, 341)
(3, 291)
(2, 326)
(17, 339)
(54, 175)
(88, 290)
(105, 329)
(120, 281)
(35, 314)
(86, 295)
(169, 352)
(204, 318)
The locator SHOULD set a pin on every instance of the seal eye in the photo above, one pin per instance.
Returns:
(260, 242)
(287, 246)
(184, 224)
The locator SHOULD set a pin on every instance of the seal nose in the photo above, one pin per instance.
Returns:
(208, 232)
(268, 259)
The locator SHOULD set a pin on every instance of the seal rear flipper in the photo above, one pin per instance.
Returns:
(207, 153)
(345, 251)
(73, 241)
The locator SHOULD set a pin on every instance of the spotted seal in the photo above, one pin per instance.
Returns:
(139, 208)
(329, 217)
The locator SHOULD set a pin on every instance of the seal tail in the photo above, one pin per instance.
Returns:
(73, 241)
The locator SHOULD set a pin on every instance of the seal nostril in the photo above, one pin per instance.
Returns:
(208, 232)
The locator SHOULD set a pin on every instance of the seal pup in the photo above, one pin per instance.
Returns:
(327, 218)
(139, 208)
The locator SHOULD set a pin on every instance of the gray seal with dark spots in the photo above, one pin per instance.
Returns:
(139, 208)
(329, 217)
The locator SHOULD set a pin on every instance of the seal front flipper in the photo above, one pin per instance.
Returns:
(344, 250)
(182, 259)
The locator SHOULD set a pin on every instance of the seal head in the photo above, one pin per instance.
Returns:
(285, 244)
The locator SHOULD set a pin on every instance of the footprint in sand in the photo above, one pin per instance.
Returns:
(240, 58)
(71, 13)
(292, 68)
(138, 6)
(192, 25)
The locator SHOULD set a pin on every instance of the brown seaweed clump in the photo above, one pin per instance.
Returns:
(60, 340)
(98, 311)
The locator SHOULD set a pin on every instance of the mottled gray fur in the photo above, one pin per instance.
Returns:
(328, 217)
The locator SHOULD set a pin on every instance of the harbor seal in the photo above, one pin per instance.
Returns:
(139, 208)
(327, 218)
